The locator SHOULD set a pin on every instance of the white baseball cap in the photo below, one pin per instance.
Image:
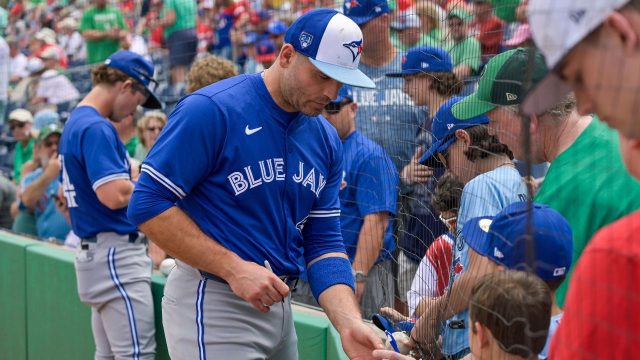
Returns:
(557, 27)
(333, 44)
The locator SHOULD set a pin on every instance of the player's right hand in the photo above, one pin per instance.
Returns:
(257, 285)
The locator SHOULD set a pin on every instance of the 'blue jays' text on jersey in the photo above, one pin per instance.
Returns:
(91, 154)
(485, 195)
(261, 181)
(369, 186)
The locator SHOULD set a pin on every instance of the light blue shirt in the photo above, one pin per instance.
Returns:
(485, 195)
(49, 221)
(553, 326)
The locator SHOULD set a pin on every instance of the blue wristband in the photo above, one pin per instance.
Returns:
(330, 271)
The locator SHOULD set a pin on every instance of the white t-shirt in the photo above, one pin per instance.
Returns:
(56, 88)
(18, 66)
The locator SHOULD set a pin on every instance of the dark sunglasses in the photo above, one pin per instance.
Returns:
(334, 108)
(17, 125)
(154, 129)
(153, 84)
(50, 143)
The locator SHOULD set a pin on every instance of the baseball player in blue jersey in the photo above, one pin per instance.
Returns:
(112, 267)
(244, 178)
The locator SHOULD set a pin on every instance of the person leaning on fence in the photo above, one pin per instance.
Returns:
(586, 166)
(428, 80)
(478, 159)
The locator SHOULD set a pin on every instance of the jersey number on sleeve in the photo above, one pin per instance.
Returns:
(67, 186)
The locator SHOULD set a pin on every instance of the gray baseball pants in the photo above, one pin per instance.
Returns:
(204, 319)
(114, 278)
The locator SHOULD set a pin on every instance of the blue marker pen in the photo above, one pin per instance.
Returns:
(392, 341)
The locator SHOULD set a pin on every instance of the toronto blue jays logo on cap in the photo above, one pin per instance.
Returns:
(351, 4)
(305, 39)
(355, 47)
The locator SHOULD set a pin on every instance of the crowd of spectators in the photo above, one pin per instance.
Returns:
(48, 48)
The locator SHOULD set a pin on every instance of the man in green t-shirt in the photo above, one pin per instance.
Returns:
(464, 49)
(179, 23)
(587, 176)
(104, 29)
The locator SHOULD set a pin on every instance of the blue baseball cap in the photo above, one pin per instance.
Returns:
(140, 69)
(266, 50)
(277, 27)
(346, 92)
(505, 239)
(333, 44)
(363, 11)
(443, 129)
(424, 59)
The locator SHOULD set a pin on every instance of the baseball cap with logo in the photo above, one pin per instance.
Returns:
(536, 239)
(574, 20)
(444, 128)
(140, 69)
(502, 82)
(424, 59)
(363, 11)
(277, 27)
(406, 20)
(266, 50)
(333, 44)
(48, 130)
(346, 92)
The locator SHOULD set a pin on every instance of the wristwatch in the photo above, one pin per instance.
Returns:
(360, 275)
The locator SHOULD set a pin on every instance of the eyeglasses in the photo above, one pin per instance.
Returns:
(50, 143)
(154, 129)
(444, 158)
(17, 125)
(334, 108)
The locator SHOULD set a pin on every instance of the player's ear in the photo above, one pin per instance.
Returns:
(483, 334)
(623, 28)
(287, 54)
(463, 136)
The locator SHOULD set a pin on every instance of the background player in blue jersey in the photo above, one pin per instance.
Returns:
(368, 203)
(243, 179)
(112, 266)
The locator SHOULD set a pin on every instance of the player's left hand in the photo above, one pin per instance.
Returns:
(359, 341)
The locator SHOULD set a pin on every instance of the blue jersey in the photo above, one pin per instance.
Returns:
(91, 154)
(261, 181)
(485, 195)
(369, 186)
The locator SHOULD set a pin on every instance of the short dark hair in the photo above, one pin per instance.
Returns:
(516, 307)
(447, 194)
(484, 144)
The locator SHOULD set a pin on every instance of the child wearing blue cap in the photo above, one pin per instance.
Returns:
(528, 237)
(492, 182)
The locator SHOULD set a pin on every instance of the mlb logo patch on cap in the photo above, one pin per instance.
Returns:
(332, 42)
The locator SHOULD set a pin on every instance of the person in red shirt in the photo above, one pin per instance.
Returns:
(488, 28)
(601, 318)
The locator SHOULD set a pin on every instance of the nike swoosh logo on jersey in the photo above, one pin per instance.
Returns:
(251, 131)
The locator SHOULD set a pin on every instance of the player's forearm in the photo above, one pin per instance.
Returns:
(340, 305)
(370, 241)
(180, 237)
(34, 192)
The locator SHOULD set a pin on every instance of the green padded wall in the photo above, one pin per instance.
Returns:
(13, 293)
(58, 324)
(41, 316)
